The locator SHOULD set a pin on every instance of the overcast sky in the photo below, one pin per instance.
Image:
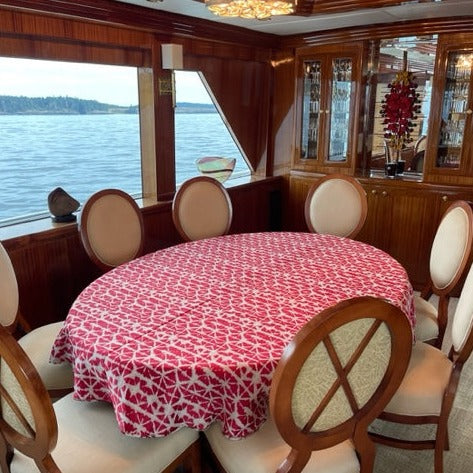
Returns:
(108, 84)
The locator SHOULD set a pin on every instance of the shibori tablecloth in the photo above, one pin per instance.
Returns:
(191, 334)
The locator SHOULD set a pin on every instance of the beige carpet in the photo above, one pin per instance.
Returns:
(459, 459)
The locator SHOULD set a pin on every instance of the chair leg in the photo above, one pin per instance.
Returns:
(442, 319)
(6, 455)
(441, 444)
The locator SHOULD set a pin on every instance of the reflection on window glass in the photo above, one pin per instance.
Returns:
(200, 130)
(68, 125)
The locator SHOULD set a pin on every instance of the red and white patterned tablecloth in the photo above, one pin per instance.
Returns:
(191, 334)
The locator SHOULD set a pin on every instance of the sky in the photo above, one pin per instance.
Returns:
(108, 84)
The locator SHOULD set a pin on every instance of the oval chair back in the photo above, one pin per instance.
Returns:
(337, 205)
(337, 375)
(449, 255)
(462, 325)
(202, 209)
(451, 247)
(9, 296)
(111, 228)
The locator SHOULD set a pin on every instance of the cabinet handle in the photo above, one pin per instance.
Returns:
(469, 111)
(444, 198)
(384, 193)
(374, 191)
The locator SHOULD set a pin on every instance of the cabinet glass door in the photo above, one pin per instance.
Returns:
(456, 109)
(340, 109)
(311, 109)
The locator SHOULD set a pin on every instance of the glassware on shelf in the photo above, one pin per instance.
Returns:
(340, 109)
(311, 109)
(455, 109)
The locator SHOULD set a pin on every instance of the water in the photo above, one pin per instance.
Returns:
(86, 153)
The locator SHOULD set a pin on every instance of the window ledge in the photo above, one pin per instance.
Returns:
(46, 225)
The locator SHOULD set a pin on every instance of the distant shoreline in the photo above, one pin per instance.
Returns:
(14, 105)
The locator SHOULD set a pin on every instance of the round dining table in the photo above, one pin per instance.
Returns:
(191, 334)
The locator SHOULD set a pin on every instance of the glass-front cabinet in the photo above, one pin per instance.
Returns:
(451, 152)
(328, 109)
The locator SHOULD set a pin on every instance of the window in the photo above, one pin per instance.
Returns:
(200, 130)
(69, 125)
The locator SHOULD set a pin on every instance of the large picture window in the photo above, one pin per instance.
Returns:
(200, 130)
(69, 125)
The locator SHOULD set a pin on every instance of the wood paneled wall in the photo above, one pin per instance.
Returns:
(52, 266)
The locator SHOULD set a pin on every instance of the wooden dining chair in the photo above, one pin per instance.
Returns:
(111, 228)
(336, 204)
(449, 255)
(202, 209)
(427, 392)
(74, 436)
(38, 342)
(334, 378)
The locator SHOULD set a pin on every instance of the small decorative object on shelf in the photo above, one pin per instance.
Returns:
(62, 206)
(399, 109)
(217, 167)
(390, 169)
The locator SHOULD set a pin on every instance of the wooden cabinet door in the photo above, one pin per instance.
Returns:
(377, 228)
(449, 149)
(414, 223)
(402, 221)
(328, 108)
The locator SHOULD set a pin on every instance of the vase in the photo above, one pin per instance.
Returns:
(390, 168)
(401, 164)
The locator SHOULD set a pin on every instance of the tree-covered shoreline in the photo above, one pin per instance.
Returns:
(21, 105)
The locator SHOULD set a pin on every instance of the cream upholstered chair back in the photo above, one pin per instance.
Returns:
(337, 205)
(202, 209)
(111, 228)
(451, 246)
(339, 372)
(9, 297)
(28, 422)
(462, 325)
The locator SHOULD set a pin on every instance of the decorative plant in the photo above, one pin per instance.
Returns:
(399, 108)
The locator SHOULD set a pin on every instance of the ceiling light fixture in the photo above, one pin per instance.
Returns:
(251, 9)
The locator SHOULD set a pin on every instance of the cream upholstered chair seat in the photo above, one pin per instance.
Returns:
(339, 370)
(265, 450)
(427, 392)
(38, 342)
(74, 436)
(37, 345)
(111, 228)
(89, 441)
(336, 205)
(427, 327)
(202, 209)
(422, 389)
(449, 255)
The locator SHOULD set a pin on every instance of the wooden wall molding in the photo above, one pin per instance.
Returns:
(170, 25)
(385, 30)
